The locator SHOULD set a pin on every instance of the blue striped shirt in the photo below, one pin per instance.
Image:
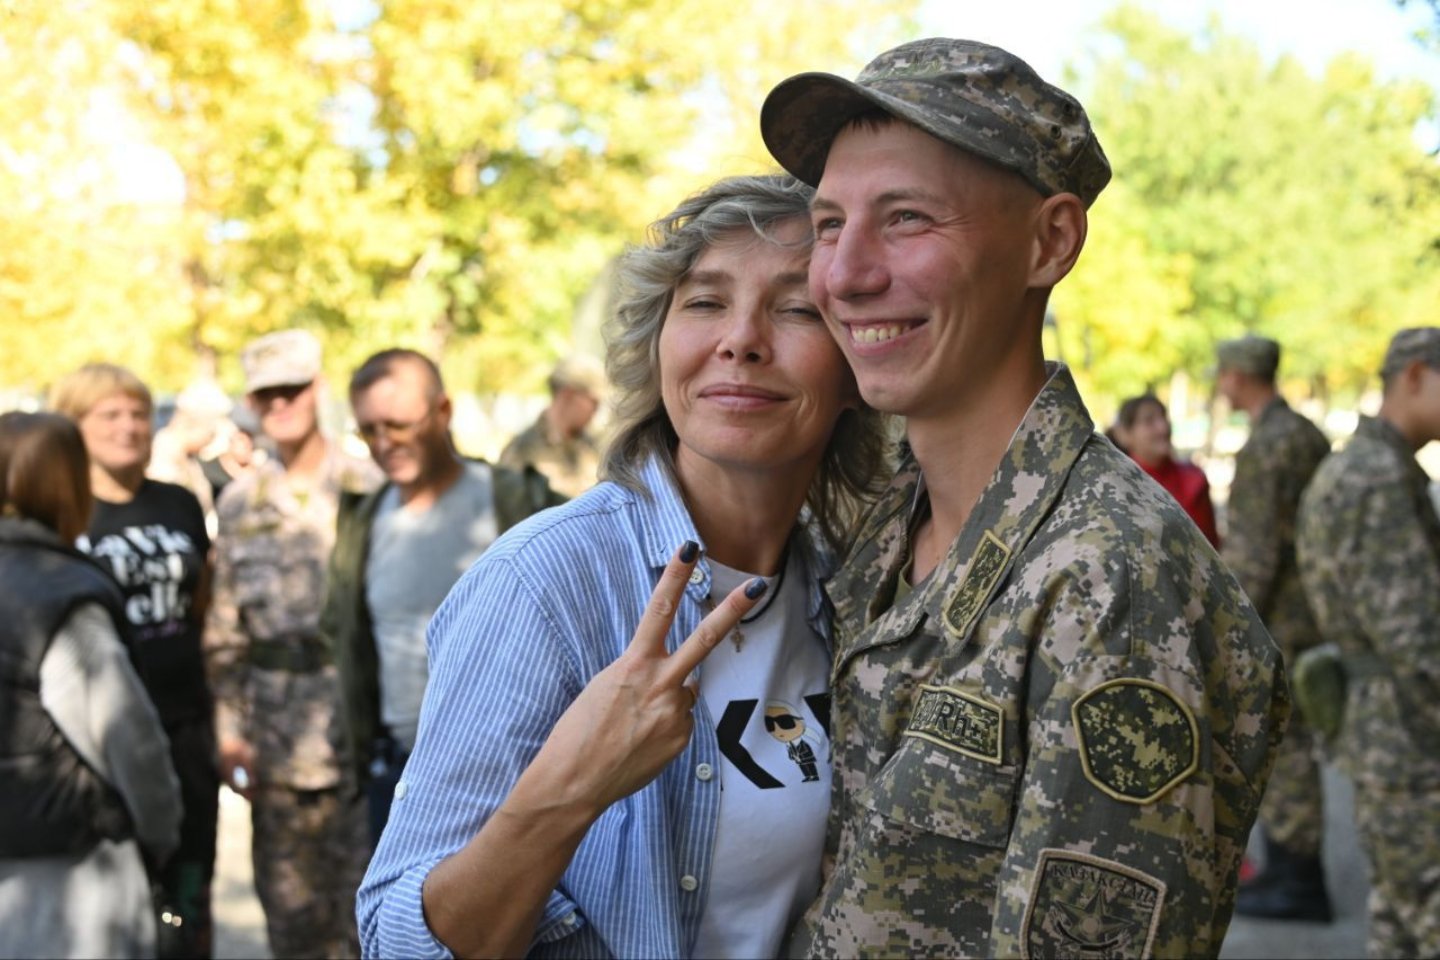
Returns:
(549, 605)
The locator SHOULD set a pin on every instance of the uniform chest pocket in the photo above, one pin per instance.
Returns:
(937, 790)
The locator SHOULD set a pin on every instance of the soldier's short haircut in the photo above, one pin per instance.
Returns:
(383, 364)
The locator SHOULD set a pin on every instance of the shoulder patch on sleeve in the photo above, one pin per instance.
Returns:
(987, 565)
(1137, 739)
(1085, 906)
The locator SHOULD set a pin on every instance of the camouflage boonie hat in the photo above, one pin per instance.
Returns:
(1416, 343)
(283, 359)
(979, 98)
(1259, 356)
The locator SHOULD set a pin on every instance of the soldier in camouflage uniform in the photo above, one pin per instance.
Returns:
(276, 688)
(1369, 549)
(559, 443)
(1271, 472)
(1054, 708)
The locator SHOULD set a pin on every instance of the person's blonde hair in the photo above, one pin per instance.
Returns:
(45, 472)
(855, 464)
(77, 393)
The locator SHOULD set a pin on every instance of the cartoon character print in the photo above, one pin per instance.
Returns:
(784, 723)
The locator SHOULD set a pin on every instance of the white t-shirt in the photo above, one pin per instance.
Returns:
(414, 559)
(770, 704)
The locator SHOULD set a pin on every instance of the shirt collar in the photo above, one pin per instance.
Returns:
(665, 523)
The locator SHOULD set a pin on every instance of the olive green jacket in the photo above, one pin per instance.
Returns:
(345, 624)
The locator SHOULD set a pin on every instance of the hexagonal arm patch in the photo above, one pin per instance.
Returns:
(1137, 739)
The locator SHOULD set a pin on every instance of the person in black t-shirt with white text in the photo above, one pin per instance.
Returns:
(152, 537)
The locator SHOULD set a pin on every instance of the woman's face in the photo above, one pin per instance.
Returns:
(750, 376)
(117, 433)
(1149, 436)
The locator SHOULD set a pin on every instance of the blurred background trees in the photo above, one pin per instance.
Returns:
(451, 175)
(180, 175)
(1249, 196)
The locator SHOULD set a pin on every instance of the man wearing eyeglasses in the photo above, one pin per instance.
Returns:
(398, 552)
(274, 680)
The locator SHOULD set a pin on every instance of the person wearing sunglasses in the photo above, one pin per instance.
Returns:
(275, 682)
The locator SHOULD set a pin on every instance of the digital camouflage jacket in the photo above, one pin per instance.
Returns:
(1057, 743)
(273, 679)
(1369, 546)
(1271, 472)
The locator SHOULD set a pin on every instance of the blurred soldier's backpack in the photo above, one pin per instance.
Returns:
(1319, 688)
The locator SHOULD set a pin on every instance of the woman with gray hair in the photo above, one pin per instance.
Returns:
(582, 785)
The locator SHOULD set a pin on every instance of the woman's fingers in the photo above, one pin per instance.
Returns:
(649, 639)
(711, 631)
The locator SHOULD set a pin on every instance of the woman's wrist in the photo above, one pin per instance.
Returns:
(546, 802)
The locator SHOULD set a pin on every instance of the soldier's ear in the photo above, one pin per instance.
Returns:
(1060, 225)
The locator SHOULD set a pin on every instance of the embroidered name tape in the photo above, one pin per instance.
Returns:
(959, 721)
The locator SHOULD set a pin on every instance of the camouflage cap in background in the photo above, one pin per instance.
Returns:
(1251, 354)
(582, 372)
(1416, 343)
(979, 98)
(282, 359)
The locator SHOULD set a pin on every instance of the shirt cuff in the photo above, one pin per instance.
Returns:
(560, 918)
(401, 930)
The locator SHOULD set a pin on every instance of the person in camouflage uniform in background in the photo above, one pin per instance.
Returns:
(1369, 550)
(1054, 708)
(1271, 472)
(275, 684)
(560, 443)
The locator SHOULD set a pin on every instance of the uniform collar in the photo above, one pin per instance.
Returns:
(1276, 405)
(1382, 430)
(1025, 485)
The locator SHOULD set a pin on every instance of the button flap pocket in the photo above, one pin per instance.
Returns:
(939, 790)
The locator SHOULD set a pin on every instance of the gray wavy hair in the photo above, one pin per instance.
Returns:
(856, 462)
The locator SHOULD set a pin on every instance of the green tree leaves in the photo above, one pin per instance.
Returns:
(443, 174)
(1251, 196)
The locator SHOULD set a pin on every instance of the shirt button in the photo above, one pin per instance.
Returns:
(697, 575)
(570, 920)
(704, 771)
(689, 883)
(401, 790)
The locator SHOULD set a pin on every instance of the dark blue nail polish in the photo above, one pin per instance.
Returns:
(756, 588)
(689, 551)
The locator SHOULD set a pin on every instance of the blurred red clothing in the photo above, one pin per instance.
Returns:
(1187, 483)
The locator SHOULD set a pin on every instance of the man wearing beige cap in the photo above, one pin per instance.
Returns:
(559, 443)
(1369, 551)
(1054, 709)
(275, 684)
(1271, 471)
